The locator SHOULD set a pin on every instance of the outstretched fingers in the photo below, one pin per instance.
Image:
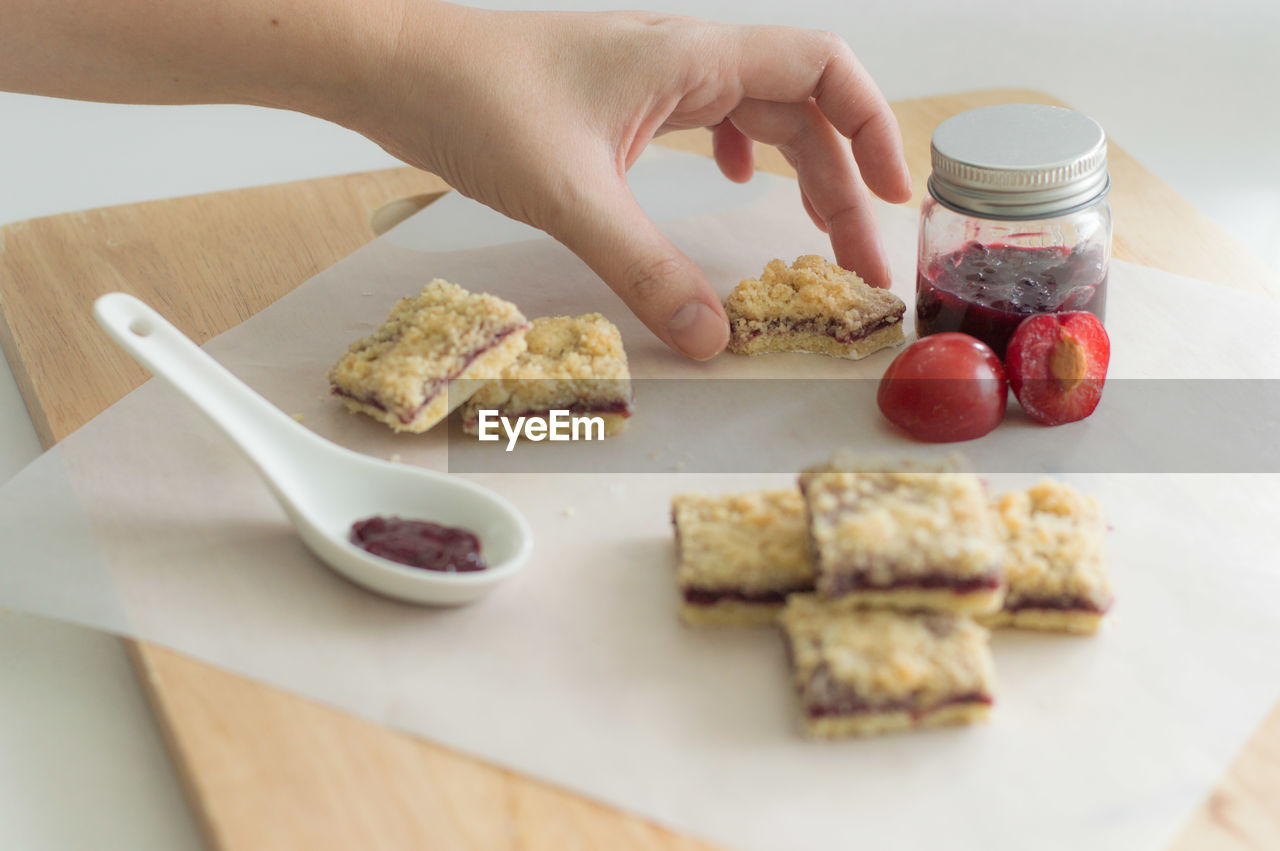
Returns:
(609, 231)
(830, 183)
(786, 65)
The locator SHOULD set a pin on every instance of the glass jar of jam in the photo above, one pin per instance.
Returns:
(1016, 221)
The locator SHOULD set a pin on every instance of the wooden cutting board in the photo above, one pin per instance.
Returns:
(267, 770)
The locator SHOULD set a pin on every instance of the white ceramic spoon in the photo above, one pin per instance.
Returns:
(323, 487)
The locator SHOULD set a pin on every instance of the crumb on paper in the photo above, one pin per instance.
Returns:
(569, 511)
(299, 417)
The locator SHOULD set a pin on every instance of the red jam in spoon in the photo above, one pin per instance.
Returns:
(419, 543)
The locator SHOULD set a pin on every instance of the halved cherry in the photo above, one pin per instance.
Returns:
(1057, 364)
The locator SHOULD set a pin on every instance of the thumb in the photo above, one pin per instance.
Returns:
(609, 231)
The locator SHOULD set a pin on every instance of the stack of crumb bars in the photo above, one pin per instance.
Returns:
(447, 346)
(884, 582)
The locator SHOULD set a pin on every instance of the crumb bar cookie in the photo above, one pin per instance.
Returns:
(739, 556)
(1055, 563)
(573, 363)
(862, 672)
(813, 306)
(903, 540)
(403, 372)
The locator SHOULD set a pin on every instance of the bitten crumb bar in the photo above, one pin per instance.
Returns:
(739, 556)
(432, 343)
(864, 672)
(812, 306)
(1055, 563)
(573, 363)
(903, 540)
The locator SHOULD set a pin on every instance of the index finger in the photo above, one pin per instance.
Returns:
(793, 65)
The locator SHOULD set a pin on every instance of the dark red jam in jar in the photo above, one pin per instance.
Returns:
(1016, 221)
(419, 543)
(987, 290)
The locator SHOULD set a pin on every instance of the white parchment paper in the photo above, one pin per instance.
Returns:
(146, 523)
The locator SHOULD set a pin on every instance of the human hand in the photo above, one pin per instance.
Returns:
(539, 115)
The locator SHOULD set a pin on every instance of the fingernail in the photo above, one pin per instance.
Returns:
(698, 331)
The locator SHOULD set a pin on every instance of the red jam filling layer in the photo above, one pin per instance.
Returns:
(432, 386)
(843, 583)
(621, 407)
(418, 543)
(1054, 604)
(838, 331)
(711, 596)
(987, 290)
(848, 704)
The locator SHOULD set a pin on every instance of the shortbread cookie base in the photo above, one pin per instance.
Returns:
(877, 723)
(1075, 621)
(923, 599)
(487, 365)
(730, 613)
(613, 423)
(817, 344)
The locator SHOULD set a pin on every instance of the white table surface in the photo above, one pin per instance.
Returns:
(1190, 93)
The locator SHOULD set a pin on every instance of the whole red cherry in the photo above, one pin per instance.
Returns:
(943, 388)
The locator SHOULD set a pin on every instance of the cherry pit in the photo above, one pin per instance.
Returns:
(951, 386)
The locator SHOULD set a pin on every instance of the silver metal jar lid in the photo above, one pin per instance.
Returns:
(1019, 161)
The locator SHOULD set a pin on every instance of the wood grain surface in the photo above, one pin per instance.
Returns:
(268, 770)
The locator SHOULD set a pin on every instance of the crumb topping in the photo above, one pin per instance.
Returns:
(888, 527)
(851, 461)
(750, 542)
(811, 288)
(427, 340)
(884, 657)
(1054, 545)
(586, 346)
(567, 360)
